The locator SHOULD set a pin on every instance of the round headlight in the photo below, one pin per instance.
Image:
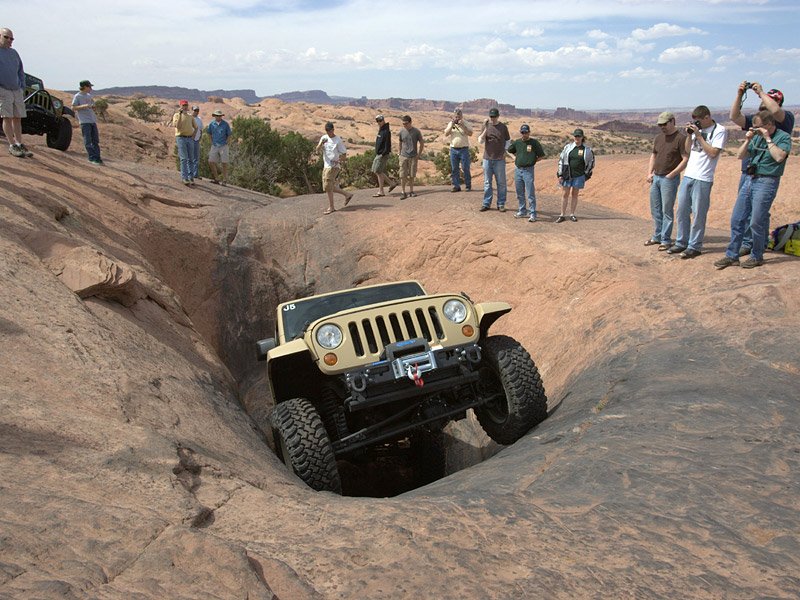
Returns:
(57, 104)
(455, 311)
(329, 336)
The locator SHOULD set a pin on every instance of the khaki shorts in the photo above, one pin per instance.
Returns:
(329, 175)
(218, 154)
(408, 167)
(12, 104)
(379, 164)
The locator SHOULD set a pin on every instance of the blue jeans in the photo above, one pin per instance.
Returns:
(185, 151)
(662, 203)
(747, 240)
(752, 209)
(523, 181)
(694, 198)
(91, 139)
(460, 157)
(498, 169)
(195, 158)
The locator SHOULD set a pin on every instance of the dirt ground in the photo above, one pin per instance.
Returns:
(134, 464)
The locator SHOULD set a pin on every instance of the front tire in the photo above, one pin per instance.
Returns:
(60, 136)
(304, 446)
(512, 388)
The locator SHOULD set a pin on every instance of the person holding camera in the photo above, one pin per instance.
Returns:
(705, 140)
(668, 159)
(784, 120)
(766, 147)
(459, 132)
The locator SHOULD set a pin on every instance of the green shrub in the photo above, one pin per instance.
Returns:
(101, 108)
(141, 109)
(441, 161)
(357, 170)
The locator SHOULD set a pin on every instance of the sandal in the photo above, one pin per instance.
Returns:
(347, 199)
(378, 195)
(329, 211)
(651, 242)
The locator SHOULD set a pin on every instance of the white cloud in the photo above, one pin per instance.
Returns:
(662, 30)
(598, 34)
(640, 73)
(683, 54)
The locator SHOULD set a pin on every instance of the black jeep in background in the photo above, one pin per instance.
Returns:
(46, 115)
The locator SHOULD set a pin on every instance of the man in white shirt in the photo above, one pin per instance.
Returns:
(333, 151)
(704, 141)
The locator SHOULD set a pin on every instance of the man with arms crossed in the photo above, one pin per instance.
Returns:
(12, 94)
(705, 140)
(411, 146)
(668, 159)
(766, 147)
(495, 136)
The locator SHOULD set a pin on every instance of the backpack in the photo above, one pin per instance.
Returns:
(786, 239)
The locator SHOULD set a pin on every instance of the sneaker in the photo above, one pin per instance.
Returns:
(690, 253)
(96, 162)
(561, 219)
(573, 218)
(27, 152)
(726, 262)
(483, 208)
(455, 189)
(501, 208)
(676, 249)
(16, 151)
(187, 182)
(469, 189)
(412, 194)
(744, 251)
(532, 219)
(520, 215)
(752, 262)
(403, 196)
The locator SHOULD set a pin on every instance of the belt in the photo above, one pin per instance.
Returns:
(757, 175)
(191, 136)
(458, 147)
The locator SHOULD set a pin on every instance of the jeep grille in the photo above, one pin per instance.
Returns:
(370, 335)
(41, 99)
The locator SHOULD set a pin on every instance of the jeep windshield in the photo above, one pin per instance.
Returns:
(298, 315)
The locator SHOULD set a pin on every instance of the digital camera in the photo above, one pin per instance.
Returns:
(696, 124)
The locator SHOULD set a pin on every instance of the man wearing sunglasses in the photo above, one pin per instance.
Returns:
(12, 97)
(668, 159)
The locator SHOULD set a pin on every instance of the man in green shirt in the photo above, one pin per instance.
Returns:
(526, 152)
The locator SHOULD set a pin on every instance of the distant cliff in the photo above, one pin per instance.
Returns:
(178, 93)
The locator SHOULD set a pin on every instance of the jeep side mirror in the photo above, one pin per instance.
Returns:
(264, 346)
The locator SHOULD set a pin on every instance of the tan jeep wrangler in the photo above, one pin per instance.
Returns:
(361, 369)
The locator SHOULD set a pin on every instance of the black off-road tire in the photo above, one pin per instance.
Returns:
(428, 456)
(304, 446)
(332, 413)
(512, 387)
(60, 135)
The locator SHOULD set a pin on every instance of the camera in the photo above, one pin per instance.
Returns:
(696, 124)
(748, 85)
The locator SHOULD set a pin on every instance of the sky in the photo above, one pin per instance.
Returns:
(588, 55)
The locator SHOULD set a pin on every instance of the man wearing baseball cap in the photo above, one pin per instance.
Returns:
(667, 161)
(198, 133)
(772, 101)
(83, 105)
(185, 127)
(526, 151)
(495, 136)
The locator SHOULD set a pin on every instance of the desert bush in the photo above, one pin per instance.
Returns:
(300, 167)
(141, 109)
(357, 170)
(441, 161)
(101, 108)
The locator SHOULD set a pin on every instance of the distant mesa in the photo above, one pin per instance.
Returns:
(178, 93)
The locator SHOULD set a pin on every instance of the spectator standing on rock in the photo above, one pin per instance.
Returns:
(495, 136)
(383, 147)
(12, 94)
(459, 132)
(766, 147)
(411, 146)
(575, 166)
(706, 138)
(526, 152)
(333, 152)
(667, 161)
(83, 105)
(784, 120)
(185, 127)
(198, 133)
(220, 131)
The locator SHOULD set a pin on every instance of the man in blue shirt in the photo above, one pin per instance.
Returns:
(12, 100)
(220, 131)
